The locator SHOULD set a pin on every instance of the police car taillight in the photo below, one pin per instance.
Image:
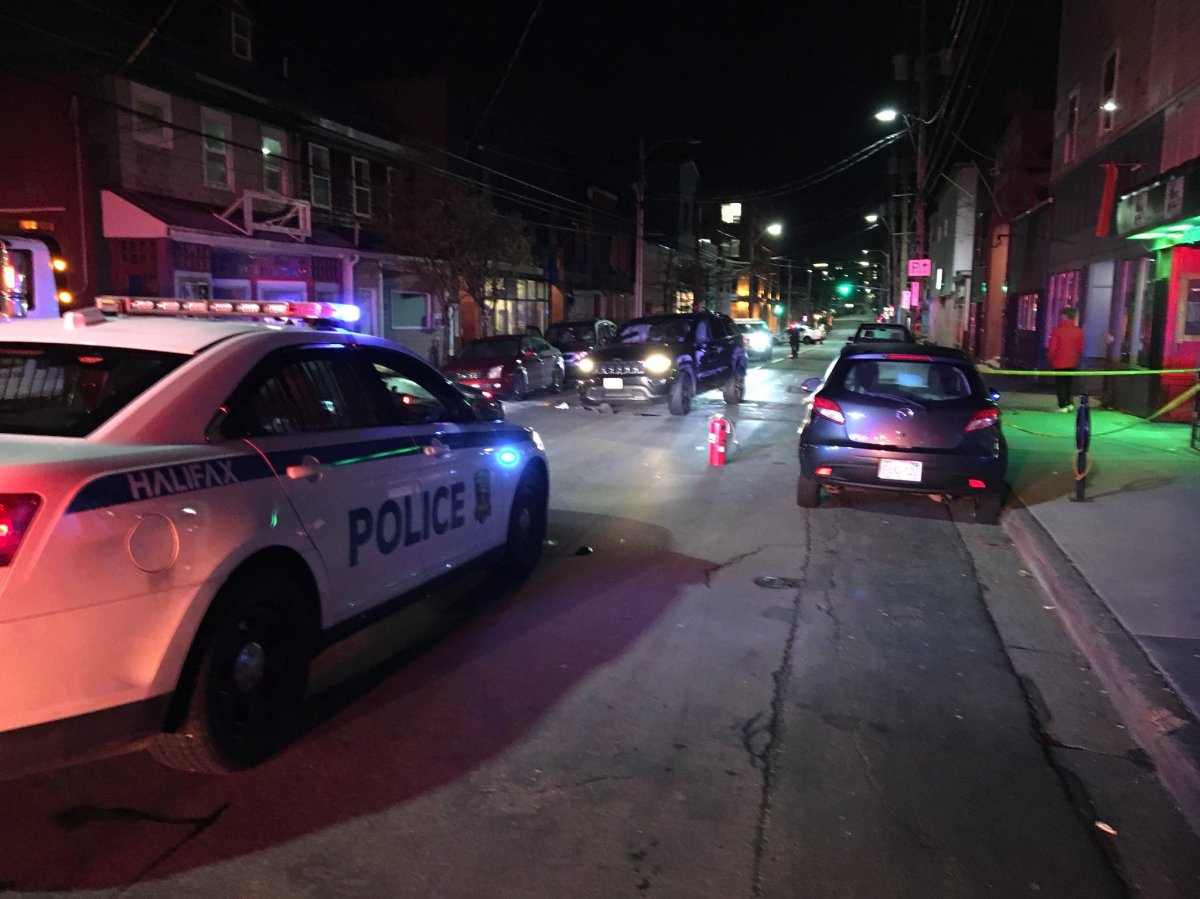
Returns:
(16, 512)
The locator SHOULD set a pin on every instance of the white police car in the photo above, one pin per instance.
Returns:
(190, 509)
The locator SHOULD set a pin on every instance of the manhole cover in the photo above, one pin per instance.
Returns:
(777, 583)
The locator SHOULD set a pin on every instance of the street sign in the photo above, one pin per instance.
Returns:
(920, 268)
(914, 296)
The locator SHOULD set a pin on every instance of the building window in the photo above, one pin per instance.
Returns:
(407, 309)
(218, 161)
(240, 33)
(320, 186)
(360, 172)
(274, 153)
(1027, 312)
(731, 213)
(1071, 132)
(1108, 93)
(151, 116)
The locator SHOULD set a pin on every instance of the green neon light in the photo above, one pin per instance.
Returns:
(386, 454)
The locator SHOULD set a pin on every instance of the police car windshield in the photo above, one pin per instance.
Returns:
(491, 349)
(655, 330)
(57, 390)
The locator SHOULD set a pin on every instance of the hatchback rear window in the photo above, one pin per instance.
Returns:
(68, 391)
(909, 379)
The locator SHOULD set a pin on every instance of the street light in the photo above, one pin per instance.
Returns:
(639, 267)
(774, 229)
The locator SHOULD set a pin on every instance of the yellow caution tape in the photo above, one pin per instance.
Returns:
(1081, 372)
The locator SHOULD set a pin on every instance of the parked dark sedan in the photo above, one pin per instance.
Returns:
(511, 365)
(903, 417)
(667, 358)
(579, 339)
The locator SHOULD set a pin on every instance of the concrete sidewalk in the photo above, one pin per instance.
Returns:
(1121, 567)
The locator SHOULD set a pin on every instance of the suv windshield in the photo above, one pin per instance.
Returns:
(68, 391)
(920, 381)
(491, 349)
(655, 330)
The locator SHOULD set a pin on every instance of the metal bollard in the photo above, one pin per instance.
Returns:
(1083, 440)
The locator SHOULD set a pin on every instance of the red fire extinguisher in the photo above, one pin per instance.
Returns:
(720, 435)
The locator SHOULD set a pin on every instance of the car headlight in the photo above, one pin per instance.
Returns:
(657, 364)
(586, 366)
(495, 371)
(760, 342)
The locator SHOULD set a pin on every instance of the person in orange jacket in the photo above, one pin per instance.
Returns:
(1065, 350)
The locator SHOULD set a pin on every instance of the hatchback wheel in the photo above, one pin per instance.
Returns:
(988, 504)
(556, 382)
(808, 492)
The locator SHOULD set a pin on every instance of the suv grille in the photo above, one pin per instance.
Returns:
(621, 368)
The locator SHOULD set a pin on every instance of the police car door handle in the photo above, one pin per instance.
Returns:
(310, 468)
(435, 447)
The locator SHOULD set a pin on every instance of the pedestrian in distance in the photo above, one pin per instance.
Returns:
(1065, 351)
(794, 340)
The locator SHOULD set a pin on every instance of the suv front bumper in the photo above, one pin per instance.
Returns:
(626, 388)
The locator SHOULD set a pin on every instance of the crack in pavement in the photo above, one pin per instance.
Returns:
(1076, 797)
(709, 572)
(774, 726)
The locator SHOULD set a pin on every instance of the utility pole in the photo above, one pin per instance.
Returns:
(639, 265)
(922, 116)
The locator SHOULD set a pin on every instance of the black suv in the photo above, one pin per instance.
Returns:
(667, 358)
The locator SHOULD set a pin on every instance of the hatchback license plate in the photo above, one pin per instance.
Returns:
(899, 470)
(613, 383)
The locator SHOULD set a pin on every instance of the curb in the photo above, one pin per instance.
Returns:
(1160, 723)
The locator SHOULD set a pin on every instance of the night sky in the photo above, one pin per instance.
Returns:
(776, 91)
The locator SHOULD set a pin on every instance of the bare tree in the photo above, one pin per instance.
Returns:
(458, 240)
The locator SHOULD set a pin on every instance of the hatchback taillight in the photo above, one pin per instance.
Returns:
(16, 512)
(827, 408)
(984, 418)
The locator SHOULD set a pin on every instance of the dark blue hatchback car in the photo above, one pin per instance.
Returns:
(907, 417)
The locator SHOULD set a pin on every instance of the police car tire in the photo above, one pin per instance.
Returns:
(265, 607)
(735, 388)
(526, 527)
(679, 400)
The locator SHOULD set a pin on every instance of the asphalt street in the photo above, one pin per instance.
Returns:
(704, 691)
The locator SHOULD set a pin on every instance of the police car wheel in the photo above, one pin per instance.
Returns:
(526, 527)
(253, 658)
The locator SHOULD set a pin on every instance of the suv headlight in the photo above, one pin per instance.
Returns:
(657, 364)
(760, 341)
(586, 366)
(495, 371)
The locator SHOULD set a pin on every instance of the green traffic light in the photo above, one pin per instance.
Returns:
(845, 289)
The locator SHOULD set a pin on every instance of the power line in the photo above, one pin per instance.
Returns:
(507, 70)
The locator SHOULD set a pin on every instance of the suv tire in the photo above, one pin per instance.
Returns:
(735, 388)
(679, 402)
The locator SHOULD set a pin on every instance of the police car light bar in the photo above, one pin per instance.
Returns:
(171, 306)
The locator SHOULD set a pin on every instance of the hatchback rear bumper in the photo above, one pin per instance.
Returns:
(940, 472)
